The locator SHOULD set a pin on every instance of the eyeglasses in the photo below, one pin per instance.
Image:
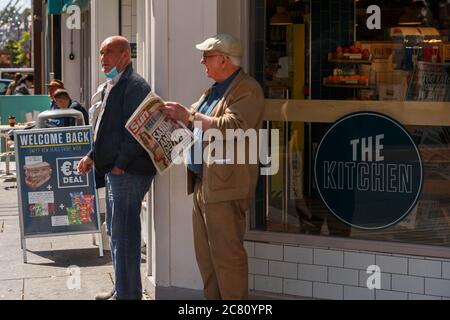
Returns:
(205, 57)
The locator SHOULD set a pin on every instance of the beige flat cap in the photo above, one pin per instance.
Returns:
(224, 43)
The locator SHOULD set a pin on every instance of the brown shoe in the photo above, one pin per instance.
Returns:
(105, 295)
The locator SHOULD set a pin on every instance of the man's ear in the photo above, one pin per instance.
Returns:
(123, 61)
(224, 61)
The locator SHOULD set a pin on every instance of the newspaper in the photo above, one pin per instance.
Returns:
(430, 82)
(164, 139)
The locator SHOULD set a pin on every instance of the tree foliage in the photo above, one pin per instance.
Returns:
(14, 33)
(19, 50)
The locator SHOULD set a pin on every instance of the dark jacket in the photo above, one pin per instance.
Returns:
(77, 106)
(115, 147)
(68, 122)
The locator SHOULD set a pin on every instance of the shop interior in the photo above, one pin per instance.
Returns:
(325, 50)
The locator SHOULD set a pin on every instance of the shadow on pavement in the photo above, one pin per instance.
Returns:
(72, 257)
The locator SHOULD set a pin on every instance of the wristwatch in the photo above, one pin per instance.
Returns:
(192, 116)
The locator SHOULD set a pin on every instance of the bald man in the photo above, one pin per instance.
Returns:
(122, 163)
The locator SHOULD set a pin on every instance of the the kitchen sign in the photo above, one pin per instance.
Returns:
(368, 171)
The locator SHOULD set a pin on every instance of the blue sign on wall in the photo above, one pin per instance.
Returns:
(368, 171)
(60, 6)
(53, 197)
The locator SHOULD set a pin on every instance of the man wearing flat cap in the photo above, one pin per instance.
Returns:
(222, 189)
(53, 86)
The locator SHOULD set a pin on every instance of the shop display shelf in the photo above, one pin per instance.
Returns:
(350, 86)
(351, 61)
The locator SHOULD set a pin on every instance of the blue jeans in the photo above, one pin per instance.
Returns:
(124, 195)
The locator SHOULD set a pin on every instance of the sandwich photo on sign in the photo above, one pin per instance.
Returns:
(37, 174)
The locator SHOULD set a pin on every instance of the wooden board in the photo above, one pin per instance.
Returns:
(328, 111)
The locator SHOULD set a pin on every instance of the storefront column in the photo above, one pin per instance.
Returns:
(71, 67)
(105, 23)
(175, 73)
(143, 27)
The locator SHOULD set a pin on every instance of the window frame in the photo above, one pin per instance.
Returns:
(328, 111)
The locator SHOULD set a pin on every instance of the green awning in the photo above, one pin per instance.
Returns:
(60, 6)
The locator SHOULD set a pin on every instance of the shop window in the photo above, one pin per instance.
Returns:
(325, 50)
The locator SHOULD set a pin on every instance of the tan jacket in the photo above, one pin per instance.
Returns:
(241, 107)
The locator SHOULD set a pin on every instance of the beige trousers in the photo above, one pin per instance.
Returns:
(219, 230)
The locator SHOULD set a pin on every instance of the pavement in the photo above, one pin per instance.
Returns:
(54, 261)
(47, 275)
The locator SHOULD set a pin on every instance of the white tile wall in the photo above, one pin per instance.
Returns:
(343, 276)
(355, 293)
(268, 251)
(360, 261)
(446, 270)
(250, 248)
(283, 269)
(392, 264)
(298, 288)
(436, 287)
(328, 291)
(312, 273)
(298, 255)
(390, 295)
(258, 266)
(408, 284)
(405, 256)
(425, 268)
(268, 284)
(413, 296)
(329, 258)
(335, 274)
(437, 259)
(251, 282)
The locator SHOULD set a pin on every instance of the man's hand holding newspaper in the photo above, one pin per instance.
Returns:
(164, 139)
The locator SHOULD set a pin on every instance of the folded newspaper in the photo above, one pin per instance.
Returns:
(164, 139)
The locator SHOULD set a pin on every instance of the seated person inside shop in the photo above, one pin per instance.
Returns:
(63, 101)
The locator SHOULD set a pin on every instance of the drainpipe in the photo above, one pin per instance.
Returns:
(120, 17)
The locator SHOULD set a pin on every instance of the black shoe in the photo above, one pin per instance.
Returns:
(105, 295)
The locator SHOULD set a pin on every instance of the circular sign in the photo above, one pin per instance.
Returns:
(368, 171)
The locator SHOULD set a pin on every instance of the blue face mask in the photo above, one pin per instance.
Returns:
(112, 74)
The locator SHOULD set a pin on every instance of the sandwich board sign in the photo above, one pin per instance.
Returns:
(54, 200)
